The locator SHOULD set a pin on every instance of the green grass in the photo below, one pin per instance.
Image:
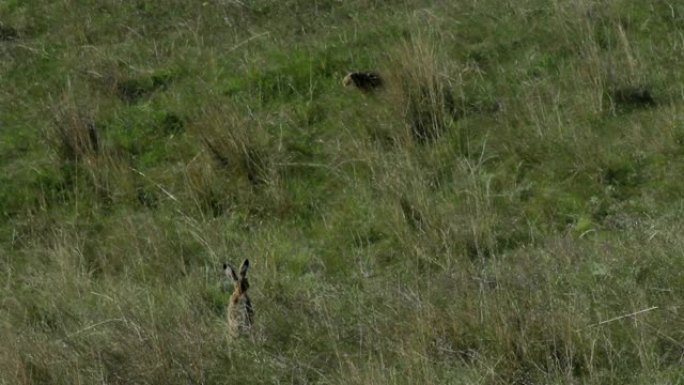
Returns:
(507, 210)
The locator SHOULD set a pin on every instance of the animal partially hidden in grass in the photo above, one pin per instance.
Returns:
(240, 312)
(365, 81)
(633, 97)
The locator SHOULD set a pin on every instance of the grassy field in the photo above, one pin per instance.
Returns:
(506, 210)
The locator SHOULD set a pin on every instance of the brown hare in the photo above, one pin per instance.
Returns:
(365, 81)
(240, 312)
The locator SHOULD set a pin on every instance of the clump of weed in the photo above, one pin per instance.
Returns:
(133, 89)
(245, 164)
(119, 81)
(423, 89)
(412, 214)
(172, 123)
(84, 159)
(74, 134)
(239, 148)
(8, 33)
(208, 191)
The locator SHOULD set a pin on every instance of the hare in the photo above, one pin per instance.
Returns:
(240, 312)
(365, 81)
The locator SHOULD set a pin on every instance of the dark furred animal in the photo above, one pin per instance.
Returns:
(240, 312)
(634, 97)
(365, 81)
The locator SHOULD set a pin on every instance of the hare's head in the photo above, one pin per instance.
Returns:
(239, 278)
(347, 81)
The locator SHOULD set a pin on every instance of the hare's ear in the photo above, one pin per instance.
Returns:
(230, 273)
(244, 267)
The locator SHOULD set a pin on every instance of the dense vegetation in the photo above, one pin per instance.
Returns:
(506, 210)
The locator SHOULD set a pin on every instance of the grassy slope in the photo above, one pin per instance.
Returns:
(489, 254)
